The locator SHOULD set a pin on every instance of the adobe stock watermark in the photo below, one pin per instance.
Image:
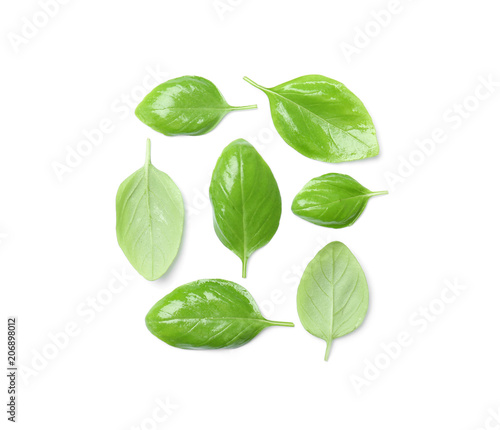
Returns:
(199, 201)
(3, 237)
(290, 278)
(452, 119)
(418, 323)
(225, 7)
(365, 34)
(31, 26)
(86, 313)
(121, 109)
(162, 410)
(492, 421)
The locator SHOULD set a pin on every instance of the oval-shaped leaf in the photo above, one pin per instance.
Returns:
(332, 298)
(187, 105)
(208, 314)
(149, 219)
(332, 200)
(320, 118)
(245, 199)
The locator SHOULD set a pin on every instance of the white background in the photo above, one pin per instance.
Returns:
(438, 225)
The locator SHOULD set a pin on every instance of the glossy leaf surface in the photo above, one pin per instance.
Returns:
(332, 298)
(320, 118)
(187, 105)
(245, 199)
(149, 219)
(208, 314)
(332, 200)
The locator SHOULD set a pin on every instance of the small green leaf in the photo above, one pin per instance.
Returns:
(332, 200)
(208, 314)
(332, 298)
(320, 118)
(246, 200)
(149, 219)
(187, 105)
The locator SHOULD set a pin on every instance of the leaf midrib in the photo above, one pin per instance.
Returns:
(262, 320)
(229, 108)
(243, 216)
(342, 200)
(317, 116)
(150, 221)
(332, 323)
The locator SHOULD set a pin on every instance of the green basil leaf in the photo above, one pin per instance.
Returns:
(320, 118)
(332, 200)
(208, 314)
(149, 219)
(245, 199)
(332, 298)
(187, 105)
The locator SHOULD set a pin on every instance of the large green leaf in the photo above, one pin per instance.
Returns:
(208, 314)
(332, 298)
(332, 200)
(245, 199)
(187, 105)
(149, 219)
(320, 118)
